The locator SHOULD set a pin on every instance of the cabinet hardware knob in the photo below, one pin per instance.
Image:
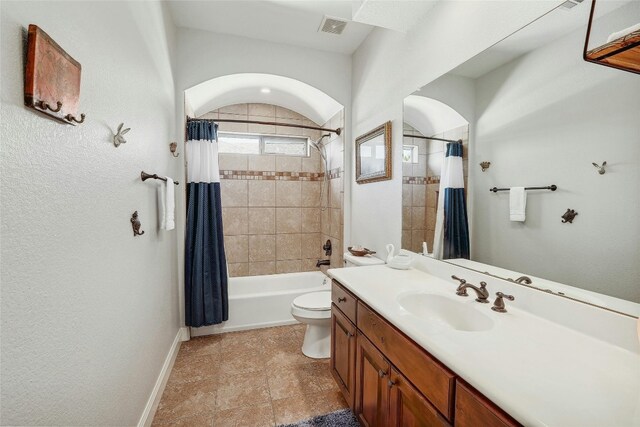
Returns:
(349, 334)
(391, 383)
(344, 299)
(381, 373)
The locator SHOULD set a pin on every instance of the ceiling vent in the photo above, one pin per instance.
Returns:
(332, 25)
(569, 4)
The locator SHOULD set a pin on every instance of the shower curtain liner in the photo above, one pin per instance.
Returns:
(206, 297)
(452, 229)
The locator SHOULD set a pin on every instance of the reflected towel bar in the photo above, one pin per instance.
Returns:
(145, 176)
(550, 187)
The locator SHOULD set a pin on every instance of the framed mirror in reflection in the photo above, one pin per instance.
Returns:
(541, 115)
(373, 155)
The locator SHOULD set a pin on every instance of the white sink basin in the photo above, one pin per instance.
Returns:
(438, 310)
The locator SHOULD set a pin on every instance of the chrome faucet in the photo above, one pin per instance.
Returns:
(522, 280)
(482, 293)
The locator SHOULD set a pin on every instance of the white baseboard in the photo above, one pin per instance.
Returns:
(222, 328)
(156, 394)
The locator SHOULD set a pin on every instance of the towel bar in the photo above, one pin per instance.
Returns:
(145, 176)
(550, 187)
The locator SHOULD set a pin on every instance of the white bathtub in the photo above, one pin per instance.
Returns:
(263, 301)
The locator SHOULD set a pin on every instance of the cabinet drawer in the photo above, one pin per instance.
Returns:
(430, 377)
(344, 300)
(473, 409)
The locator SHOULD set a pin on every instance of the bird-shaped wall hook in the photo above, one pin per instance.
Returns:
(601, 170)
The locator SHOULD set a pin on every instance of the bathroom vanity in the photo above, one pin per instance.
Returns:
(407, 351)
(389, 380)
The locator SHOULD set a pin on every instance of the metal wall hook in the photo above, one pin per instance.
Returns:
(72, 118)
(600, 169)
(173, 147)
(118, 138)
(568, 216)
(135, 224)
(485, 165)
(44, 106)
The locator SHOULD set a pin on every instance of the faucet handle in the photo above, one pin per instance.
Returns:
(501, 295)
(462, 281)
(498, 304)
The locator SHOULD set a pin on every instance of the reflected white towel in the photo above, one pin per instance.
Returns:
(517, 203)
(622, 33)
(169, 206)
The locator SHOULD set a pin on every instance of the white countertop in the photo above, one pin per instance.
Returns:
(540, 372)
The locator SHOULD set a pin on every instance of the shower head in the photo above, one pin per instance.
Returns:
(316, 144)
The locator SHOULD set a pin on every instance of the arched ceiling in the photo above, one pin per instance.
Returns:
(247, 88)
(430, 117)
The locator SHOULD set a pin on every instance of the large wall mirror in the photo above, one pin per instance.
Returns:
(542, 116)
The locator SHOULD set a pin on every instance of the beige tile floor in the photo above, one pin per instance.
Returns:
(247, 379)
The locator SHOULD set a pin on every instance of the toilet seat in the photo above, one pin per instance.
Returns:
(314, 305)
(314, 301)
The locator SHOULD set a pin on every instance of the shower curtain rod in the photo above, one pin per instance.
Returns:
(258, 122)
(431, 137)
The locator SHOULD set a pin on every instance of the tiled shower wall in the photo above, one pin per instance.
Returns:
(271, 212)
(421, 183)
(332, 218)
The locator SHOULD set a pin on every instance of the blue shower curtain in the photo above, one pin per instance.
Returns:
(452, 228)
(206, 298)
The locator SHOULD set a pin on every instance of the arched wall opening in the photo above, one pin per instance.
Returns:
(423, 159)
(277, 209)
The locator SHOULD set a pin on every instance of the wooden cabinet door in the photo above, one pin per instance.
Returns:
(372, 389)
(473, 409)
(409, 408)
(343, 354)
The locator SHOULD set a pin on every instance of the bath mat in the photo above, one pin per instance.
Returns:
(342, 418)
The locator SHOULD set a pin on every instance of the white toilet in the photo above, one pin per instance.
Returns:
(314, 310)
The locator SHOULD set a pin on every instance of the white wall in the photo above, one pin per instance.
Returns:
(204, 55)
(389, 66)
(541, 120)
(89, 312)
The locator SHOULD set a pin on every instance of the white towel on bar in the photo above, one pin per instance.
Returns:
(517, 203)
(162, 205)
(169, 206)
(166, 205)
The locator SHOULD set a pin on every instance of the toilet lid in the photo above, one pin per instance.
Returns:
(314, 301)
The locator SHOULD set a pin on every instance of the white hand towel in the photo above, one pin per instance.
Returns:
(517, 203)
(170, 206)
(162, 205)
